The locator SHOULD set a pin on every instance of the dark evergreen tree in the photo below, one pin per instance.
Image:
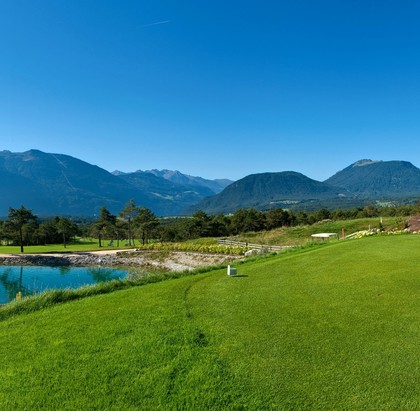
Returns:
(105, 226)
(145, 222)
(18, 219)
(66, 228)
(127, 214)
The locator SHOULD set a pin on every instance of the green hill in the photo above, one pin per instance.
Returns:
(360, 184)
(268, 190)
(327, 328)
(373, 179)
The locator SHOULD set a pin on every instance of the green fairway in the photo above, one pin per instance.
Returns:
(83, 245)
(329, 328)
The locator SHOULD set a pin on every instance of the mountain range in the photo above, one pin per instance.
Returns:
(58, 184)
(361, 183)
(269, 190)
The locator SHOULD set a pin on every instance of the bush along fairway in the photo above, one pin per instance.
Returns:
(324, 328)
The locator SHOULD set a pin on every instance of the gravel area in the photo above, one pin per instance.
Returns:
(414, 223)
(159, 260)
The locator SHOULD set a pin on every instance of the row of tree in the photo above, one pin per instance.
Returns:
(22, 227)
(245, 220)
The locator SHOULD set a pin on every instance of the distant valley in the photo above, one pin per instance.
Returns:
(58, 184)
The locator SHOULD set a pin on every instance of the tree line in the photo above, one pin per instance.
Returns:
(22, 227)
(246, 220)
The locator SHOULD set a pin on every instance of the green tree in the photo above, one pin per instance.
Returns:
(244, 220)
(66, 228)
(127, 214)
(322, 214)
(201, 224)
(47, 233)
(277, 217)
(105, 225)
(219, 226)
(145, 222)
(119, 230)
(370, 211)
(17, 219)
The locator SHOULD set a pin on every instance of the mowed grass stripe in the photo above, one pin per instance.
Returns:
(133, 349)
(335, 327)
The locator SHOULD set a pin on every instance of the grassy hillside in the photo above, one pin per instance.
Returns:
(301, 234)
(373, 179)
(334, 327)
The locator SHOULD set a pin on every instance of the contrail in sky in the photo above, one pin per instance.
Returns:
(155, 24)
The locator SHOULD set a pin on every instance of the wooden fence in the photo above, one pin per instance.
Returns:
(253, 246)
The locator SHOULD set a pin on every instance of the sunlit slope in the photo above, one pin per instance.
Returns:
(336, 327)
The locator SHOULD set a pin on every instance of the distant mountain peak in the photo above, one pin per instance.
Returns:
(118, 173)
(365, 162)
(176, 177)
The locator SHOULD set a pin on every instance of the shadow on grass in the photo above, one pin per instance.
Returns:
(57, 296)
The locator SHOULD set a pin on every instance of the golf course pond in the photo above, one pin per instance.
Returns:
(30, 280)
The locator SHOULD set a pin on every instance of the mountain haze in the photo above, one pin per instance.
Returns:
(52, 184)
(179, 196)
(58, 184)
(186, 180)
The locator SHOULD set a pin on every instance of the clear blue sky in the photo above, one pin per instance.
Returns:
(212, 88)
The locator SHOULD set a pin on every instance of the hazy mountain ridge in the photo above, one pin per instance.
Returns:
(58, 184)
(180, 196)
(176, 177)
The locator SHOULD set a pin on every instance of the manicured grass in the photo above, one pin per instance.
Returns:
(83, 245)
(325, 328)
(333, 328)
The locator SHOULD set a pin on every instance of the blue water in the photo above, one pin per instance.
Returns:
(31, 280)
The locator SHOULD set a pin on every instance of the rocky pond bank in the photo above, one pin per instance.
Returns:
(157, 260)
